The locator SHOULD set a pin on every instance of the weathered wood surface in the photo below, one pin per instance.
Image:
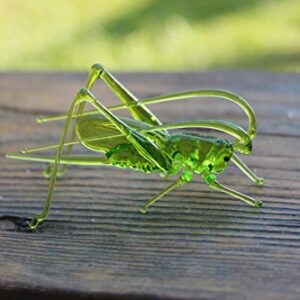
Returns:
(194, 244)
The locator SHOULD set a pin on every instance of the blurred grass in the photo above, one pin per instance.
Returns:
(150, 34)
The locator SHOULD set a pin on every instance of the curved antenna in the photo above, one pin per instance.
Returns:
(243, 143)
(243, 139)
(210, 93)
(173, 97)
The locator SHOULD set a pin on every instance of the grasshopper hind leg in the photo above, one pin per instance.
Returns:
(78, 101)
(148, 150)
(138, 112)
(141, 112)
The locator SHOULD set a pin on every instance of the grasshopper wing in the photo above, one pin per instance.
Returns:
(105, 133)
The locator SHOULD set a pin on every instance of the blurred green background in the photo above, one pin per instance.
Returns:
(150, 34)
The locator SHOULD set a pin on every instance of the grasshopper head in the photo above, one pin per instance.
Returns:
(218, 158)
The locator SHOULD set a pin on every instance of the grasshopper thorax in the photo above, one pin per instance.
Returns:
(198, 153)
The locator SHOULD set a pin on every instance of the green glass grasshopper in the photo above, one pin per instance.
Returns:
(144, 143)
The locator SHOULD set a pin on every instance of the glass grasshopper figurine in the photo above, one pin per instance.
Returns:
(143, 143)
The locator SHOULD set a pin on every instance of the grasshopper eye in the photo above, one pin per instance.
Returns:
(226, 158)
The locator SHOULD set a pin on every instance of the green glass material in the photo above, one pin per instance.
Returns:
(143, 143)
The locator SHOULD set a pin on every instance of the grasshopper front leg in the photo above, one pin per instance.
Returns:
(245, 169)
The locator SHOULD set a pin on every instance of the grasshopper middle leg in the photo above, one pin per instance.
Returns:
(179, 182)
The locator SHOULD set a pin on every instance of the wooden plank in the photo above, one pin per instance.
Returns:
(194, 244)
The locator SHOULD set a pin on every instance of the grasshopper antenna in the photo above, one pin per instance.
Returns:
(173, 97)
(243, 139)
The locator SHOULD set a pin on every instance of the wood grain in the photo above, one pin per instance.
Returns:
(194, 244)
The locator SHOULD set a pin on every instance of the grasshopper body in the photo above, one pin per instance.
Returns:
(143, 143)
